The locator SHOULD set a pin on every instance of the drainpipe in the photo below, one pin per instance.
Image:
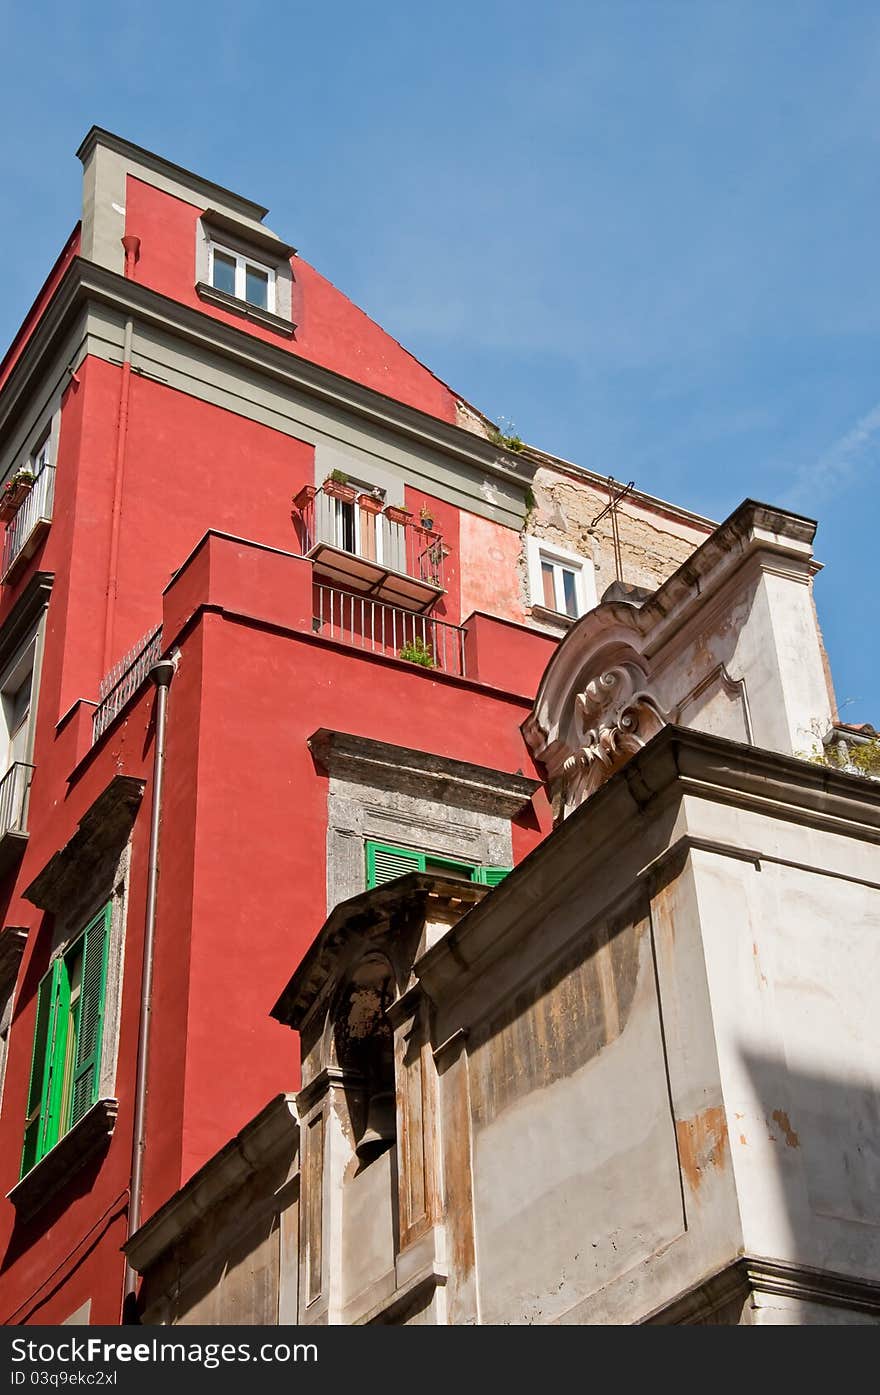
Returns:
(132, 246)
(161, 673)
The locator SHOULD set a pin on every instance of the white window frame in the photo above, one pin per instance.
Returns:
(539, 551)
(339, 525)
(242, 262)
(7, 1003)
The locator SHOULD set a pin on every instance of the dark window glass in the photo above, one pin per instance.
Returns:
(224, 273)
(256, 288)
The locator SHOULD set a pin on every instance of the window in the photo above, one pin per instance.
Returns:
(386, 863)
(16, 737)
(356, 529)
(236, 275)
(561, 583)
(39, 457)
(66, 1061)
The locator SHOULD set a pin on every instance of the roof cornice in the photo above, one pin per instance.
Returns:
(201, 187)
(85, 282)
(676, 763)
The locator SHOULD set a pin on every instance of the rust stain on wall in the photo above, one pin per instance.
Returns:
(782, 1119)
(702, 1141)
(562, 1020)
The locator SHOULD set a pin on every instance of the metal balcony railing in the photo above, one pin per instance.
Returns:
(33, 515)
(124, 679)
(373, 547)
(389, 630)
(13, 798)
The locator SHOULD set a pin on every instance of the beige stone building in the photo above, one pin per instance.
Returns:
(638, 1080)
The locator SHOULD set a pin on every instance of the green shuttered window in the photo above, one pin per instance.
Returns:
(384, 863)
(66, 1060)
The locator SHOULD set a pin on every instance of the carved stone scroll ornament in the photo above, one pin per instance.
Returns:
(614, 717)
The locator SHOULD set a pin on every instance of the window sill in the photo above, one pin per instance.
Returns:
(241, 307)
(553, 617)
(79, 1144)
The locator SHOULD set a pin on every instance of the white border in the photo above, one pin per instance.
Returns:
(585, 574)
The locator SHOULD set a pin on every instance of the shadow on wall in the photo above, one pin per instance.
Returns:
(809, 1165)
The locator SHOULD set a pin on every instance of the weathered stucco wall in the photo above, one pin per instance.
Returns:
(653, 542)
(571, 1190)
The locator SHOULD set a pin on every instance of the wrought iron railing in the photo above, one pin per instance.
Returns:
(363, 527)
(389, 630)
(124, 679)
(35, 508)
(13, 797)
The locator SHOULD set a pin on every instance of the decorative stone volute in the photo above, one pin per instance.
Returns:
(729, 645)
(613, 718)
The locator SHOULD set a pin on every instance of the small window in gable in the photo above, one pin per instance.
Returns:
(237, 275)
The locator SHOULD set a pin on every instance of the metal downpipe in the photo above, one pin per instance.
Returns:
(161, 673)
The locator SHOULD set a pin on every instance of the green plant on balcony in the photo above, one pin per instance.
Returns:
(15, 491)
(336, 486)
(416, 651)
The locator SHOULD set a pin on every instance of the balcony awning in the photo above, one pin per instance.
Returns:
(371, 578)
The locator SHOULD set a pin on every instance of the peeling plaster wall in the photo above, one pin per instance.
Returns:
(653, 543)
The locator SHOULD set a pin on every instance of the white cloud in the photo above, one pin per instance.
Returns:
(858, 449)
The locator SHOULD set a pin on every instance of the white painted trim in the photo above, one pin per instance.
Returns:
(538, 549)
(242, 262)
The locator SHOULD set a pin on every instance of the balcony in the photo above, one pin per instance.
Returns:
(14, 788)
(373, 549)
(393, 631)
(124, 680)
(28, 524)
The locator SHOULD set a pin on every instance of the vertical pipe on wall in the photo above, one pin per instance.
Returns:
(161, 673)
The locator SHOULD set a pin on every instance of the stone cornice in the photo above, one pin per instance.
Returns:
(755, 1274)
(105, 825)
(24, 615)
(50, 1175)
(86, 282)
(196, 183)
(677, 762)
(416, 897)
(275, 1128)
(418, 773)
(13, 939)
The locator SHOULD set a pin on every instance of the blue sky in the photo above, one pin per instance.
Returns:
(645, 231)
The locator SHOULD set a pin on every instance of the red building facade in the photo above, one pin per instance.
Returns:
(214, 459)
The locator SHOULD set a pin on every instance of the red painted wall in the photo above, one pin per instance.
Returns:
(243, 864)
(330, 330)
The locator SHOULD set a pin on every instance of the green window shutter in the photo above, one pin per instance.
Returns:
(90, 1016)
(491, 876)
(56, 1049)
(36, 1097)
(384, 863)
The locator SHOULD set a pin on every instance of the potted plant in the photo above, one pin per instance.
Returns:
(418, 652)
(15, 491)
(396, 513)
(426, 518)
(336, 485)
